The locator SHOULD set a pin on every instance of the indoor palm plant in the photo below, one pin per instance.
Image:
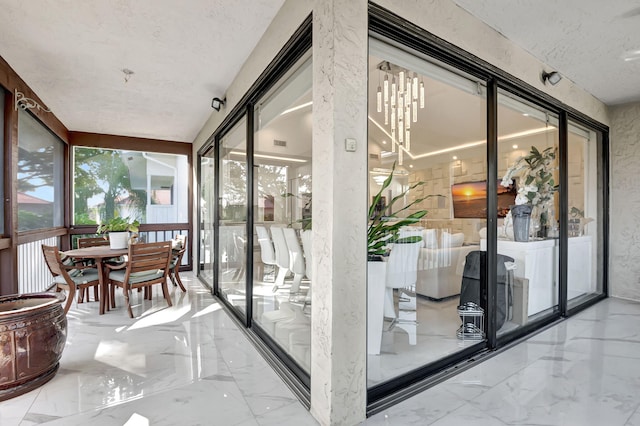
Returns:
(384, 229)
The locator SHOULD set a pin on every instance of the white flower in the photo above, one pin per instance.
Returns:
(521, 198)
(531, 188)
(506, 181)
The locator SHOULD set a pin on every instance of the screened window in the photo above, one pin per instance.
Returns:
(40, 175)
(150, 187)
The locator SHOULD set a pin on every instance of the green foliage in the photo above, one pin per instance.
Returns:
(119, 224)
(535, 176)
(576, 212)
(103, 171)
(83, 218)
(384, 230)
(29, 220)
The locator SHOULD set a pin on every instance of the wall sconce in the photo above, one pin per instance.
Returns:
(21, 101)
(552, 77)
(217, 103)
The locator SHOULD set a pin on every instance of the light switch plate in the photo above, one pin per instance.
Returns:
(350, 145)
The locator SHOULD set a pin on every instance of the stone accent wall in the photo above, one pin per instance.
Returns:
(624, 250)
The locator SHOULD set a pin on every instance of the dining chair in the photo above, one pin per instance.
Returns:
(282, 255)
(90, 242)
(305, 237)
(147, 264)
(69, 276)
(296, 259)
(267, 252)
(402, 273)
(178, 248)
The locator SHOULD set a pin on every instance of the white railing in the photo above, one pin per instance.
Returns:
(33, 274)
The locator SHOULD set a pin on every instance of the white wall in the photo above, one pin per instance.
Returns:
(624, 250)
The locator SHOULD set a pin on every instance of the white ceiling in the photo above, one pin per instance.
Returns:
(183, 54)
(585, 40)
(71, 53)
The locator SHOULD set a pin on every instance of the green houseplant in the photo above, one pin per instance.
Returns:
(119, 224)
(384, 229)
(118, 229)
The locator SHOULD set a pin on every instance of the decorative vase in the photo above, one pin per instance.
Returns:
(33, 332)
(521, 216)
(119, 240)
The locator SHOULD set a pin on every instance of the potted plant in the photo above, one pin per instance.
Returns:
(118, 229)
(384, 229)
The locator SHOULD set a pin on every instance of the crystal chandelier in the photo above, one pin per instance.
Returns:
(401, 94)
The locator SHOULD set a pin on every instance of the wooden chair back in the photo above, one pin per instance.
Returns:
(92, 242)
(54, 262)
(145, 257)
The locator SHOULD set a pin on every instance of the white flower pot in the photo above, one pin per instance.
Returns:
(119, 240)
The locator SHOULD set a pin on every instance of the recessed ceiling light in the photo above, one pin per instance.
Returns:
(384, 142)
(455, 157)
(515, 146)
(411, 166)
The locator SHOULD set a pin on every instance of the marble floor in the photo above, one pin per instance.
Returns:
(191, 365)
(184, 365)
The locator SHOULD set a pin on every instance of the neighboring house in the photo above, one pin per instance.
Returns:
(35, 205)
(165, 179)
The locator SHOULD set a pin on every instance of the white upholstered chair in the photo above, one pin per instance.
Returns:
(402, 273)
(305, 236)
(267, 252)
(281, 255)
(296, 259)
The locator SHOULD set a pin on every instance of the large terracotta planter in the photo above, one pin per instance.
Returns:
(33, 331)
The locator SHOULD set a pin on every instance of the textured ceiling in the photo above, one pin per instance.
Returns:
(587, 41)
(71, 53)
(183, 54)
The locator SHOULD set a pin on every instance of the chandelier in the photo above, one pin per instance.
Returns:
(401, 95)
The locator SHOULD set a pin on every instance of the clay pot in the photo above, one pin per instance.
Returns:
(33, 331)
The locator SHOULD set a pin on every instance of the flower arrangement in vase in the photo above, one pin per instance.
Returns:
(536, 185)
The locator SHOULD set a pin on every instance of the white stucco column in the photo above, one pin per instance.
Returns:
(338, 325)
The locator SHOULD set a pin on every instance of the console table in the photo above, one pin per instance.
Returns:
(537, 261)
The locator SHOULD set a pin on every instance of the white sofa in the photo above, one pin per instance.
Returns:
(441, 263)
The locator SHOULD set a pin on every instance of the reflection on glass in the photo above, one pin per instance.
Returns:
(40, 175)
(528, 249)
(207, 203)
(414, 290)
(584, 260)
(282, 215)
(232, 244)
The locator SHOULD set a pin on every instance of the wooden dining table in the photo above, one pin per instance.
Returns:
(99, 254)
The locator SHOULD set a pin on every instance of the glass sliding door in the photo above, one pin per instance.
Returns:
(528, 246)
(232, 211)
(282, 214)
(207, 209)
(585, 248)
(427, 164)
